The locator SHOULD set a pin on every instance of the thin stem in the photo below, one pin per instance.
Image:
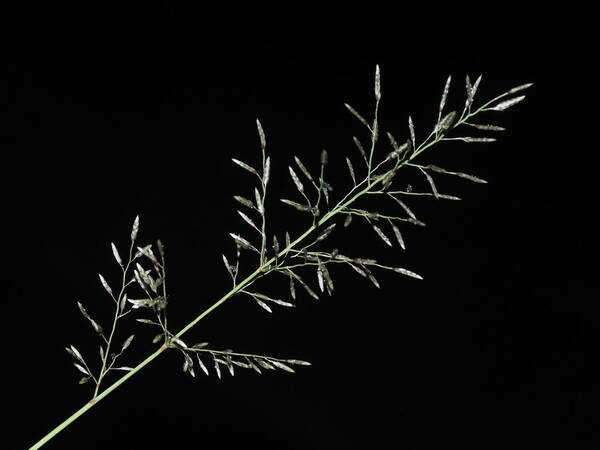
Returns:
(107, 352)
(374, 133)
(263, 244)
(321, 186)
(379, 216)
(222, 352)
(164, 286)
(95, 400)
(427, 194)
(104, 370)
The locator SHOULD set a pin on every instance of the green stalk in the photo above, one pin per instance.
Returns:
(104, 370)
(94, 401)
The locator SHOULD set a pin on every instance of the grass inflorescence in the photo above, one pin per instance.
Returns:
(374, 169)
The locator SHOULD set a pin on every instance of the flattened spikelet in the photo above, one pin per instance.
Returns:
(81, 368)
(476, 85)
(469, 88)
(261, 135)
(243, 242)
(447, 121)
(245, 166)
(521, 87)
(351, 169)
(324, 161)
(135, 229)
(357, 115)
(348, 220)
(217, 368)
(372, 278)
(458, 174)
(74, 352)
(127, 342)
(228, 266)
(296, 205)
(398, 236)
(507, 103)
(292, 288)
(105, 284)
(244, 201)
(411, 128)
(264, 364)
(358, 270)
(298, 362)
(360, 147)
(296, 180)
(320, 278)
(249, 221)
(445, 93)
(328, 279)
(116, 253)
(326, 232)
(259, 201)
(404, 207)
(281, 365)
(263, 305)
(486, 127)
(407, 273)
(267, 170)
(201, 364)
(478, 139)
(377, 83)
(303, 169)
(381, 234)
(307, 288)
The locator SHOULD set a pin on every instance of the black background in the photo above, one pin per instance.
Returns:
(110, 113)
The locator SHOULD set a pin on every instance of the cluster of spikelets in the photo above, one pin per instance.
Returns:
(314, 200)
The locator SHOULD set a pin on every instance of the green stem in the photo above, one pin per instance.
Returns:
(374, 136)
(104, 370)
(107, 352)
(94, 401)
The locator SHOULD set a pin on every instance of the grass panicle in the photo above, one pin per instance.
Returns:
(304, 260)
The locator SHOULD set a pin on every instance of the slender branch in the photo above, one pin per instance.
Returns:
(223, 352)
(95, 400)
(104, 370)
